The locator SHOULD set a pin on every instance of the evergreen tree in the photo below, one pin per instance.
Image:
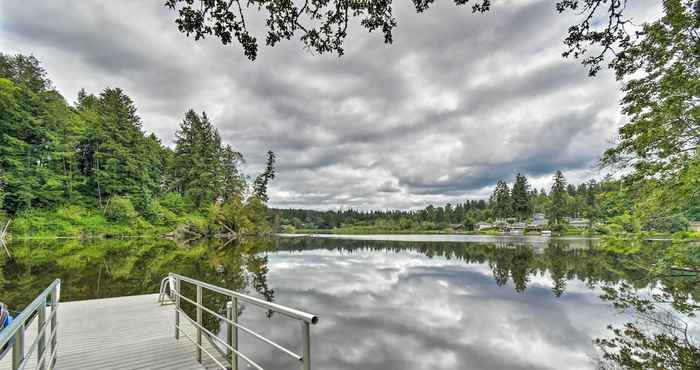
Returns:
(557, 208)
(37, 132)
(203, 169)
(592, 212)
(232, 180)
(197, 165)
(261, 182)
(116, 155)
(520, 195)
(25, 71)
(501, 200)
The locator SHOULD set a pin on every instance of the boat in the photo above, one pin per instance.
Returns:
(546, 233)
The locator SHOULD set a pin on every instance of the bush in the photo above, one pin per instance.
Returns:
(120, 209)
(156, 214)
(626, 222)
(557, 228)
(174, 203)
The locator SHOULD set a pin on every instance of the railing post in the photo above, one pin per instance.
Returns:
(54, 323)
(18, 348)
(177, 308)
(232, 332)
(41, 325)
(306, 346)
(199, 324)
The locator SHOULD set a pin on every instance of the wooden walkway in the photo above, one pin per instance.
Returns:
(120, 333)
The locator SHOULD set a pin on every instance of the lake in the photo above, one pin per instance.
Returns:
(384, 302)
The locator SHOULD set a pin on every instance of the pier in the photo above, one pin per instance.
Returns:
(136, 332)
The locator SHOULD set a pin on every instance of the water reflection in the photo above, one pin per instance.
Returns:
(489, 304)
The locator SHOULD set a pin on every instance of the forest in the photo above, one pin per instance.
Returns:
(609, 205)
(90, 169)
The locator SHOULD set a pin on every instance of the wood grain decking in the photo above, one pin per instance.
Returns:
(120, 333)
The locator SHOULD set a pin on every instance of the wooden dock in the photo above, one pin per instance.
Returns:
(138, 332)
(119, 333)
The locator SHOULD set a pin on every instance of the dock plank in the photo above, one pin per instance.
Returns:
(119, 333)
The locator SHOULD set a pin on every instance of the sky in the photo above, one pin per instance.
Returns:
(457, 102)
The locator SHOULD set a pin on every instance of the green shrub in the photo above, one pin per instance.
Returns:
(626, 222)
(156, 214)
(557, 228)
(120, 209)
(174, 203)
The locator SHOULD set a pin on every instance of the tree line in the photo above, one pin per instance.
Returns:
(609, 200)
(95, 155)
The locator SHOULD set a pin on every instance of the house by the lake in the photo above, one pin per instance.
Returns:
(579, 223)
(481, 225)
(694, 226)
(538, 219)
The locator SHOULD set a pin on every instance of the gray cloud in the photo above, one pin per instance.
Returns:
(456, 103)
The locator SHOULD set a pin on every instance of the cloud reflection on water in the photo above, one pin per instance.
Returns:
(402, 310)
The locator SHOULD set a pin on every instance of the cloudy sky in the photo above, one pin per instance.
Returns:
(456, 103)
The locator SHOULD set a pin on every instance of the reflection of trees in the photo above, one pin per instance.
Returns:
(109, 268)
(658, 337)
(509, 262)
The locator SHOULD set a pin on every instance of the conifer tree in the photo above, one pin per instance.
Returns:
(558, 194)
(203, 169)
(501, 200)
(520, 195)
(261, 182)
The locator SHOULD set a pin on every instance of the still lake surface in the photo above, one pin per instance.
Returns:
(384, 302)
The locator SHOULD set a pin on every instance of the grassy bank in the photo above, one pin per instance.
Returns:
(81, 222)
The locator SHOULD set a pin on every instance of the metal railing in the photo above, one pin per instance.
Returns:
(13, 336)
(174, 282)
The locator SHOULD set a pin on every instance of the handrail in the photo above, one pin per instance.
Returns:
(295, 314)
(13, 336)
(231, 344)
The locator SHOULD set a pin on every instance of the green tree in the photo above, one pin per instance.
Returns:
(261, 182)
(501, 200)
(25, 71)
(661, 75)
(38, 131)
(558, 196)
(592, 211)
(203, 169)
(520, 195)
(115, 154)
(322, 26)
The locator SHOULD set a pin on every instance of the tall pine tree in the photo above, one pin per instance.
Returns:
(203, 169)
(558, 196)
(501, 201)
(520, 196)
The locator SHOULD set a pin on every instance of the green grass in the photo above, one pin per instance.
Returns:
(81, 222)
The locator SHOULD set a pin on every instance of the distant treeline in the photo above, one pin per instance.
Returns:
(606, 200)
(76, 168)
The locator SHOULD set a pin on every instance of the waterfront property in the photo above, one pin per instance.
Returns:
(577, 222)
(694, 226)
(482, 225)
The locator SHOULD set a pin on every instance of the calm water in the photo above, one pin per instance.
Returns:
(431, 302)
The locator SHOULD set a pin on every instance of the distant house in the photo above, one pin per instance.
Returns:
(518, 225)
(539, 220)
(501, 223)
(694, 226)
(579, 223)
(481, 225)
